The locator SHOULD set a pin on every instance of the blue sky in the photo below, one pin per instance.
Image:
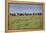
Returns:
(25, 8)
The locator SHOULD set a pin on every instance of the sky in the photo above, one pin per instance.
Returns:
(25, 8)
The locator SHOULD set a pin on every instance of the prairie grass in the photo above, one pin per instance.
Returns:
(25, 22)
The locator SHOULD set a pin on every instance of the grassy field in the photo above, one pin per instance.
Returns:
(25, 22)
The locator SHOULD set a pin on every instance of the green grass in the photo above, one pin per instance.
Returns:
(25, 22)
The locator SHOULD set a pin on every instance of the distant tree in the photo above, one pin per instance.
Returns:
(12, 14)
(39, 13)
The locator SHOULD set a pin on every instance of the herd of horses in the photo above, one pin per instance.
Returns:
(22, 14)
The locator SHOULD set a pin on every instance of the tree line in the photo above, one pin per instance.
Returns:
(22, 14)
